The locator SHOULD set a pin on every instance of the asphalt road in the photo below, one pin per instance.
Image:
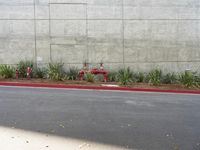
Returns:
(144, 121)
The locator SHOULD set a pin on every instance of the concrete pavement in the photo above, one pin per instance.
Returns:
(142, 121)
(15, 139)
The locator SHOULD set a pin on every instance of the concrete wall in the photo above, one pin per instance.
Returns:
(142, 34)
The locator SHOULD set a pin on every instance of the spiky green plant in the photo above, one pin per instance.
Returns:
(99, 78)
(40, 73)
(189, 79)
(112, 76)
(169, 78)
(22, 67)
(139, 77)
(154, 77)
(73, 73)
(197, 80)
(7, 71)
(56, 71)
(125, 76)
(89, 77)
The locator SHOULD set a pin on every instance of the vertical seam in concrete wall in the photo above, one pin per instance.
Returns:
(87, 55)
(151, 38)
(35, 36)
(123, 40)
(178, 24)
(50, 57)
(198, 29)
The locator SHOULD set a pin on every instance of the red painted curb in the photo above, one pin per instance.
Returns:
(97, 87)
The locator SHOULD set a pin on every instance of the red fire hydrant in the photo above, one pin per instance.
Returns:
(101, 66)
(17, 73)
(29, 71)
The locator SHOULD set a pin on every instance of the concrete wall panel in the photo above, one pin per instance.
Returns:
(67, 11)
(100, 9)
(163, 3)
(141, 34)
(16, 2)
(12, 52)
(68, 32)
(68, 53)
(42, 42)
(62, 28)
(189, 31)
(16, 12)
(104, 12)
(161, 41)
(41, 12)
(42, 28)
(104, 52)
(161, 13)
(68, 1)
(105, 29)
(162, 9)
(105, 41)
(137, 29)
(17, 40)
(43, 51)
(42, 2)
(105, 2)
(17, 28)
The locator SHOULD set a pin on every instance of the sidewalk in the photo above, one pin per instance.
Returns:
(16, 139)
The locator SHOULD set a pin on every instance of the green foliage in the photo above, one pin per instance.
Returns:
(169, 78)
(89, 77)
(99, 77)
(154, 77)
(189, 79)
(6, 71)
(40, 73)
(56, 71)
(139, 77)
(22, 67)
(197, 80)
(112, 76)
(73, 73)
(125, 76)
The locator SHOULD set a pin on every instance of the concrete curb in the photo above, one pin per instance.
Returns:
(63, 86)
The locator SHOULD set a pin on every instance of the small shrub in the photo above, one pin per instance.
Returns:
(99, 77)
(197, 80)
(169, 78)
(73, 73)
(112, 76)
(189, 79)
(56, 71)
(154, 77)
(22, 67)
(125, 76)
(139, 77)
(6, 71)
(40, 73)
(89, 77)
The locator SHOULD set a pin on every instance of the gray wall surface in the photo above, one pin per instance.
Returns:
(142, 34)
